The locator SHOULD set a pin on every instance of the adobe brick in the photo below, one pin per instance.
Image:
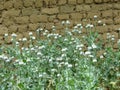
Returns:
(76, 16)
(106, 1)
(115, 33)
(54, 10)
(11, 13)
(3, 30)
(49, 26)
(38, 18)
(67, 9)
(59, 27)
(88, 1)
(1, 20)
(8, 5)
(116, 6)
(80, 1)
(18, 4)
(28, 3)
(19, 36)
(46, 2)
(29, 11)
(22, 20)
(72, 2)
(117, 20)
(12, 28)
(107, 14)
(92, 14)
(22, 28)
(51, 18)
(101, 7)
(98, 1)
(115, 13)
(1, 38)
(63, 16)
(52, 2)
(116, 27)
(62, 2)
(33, 26)
(101, 29)
(8, 21)
(1, 7)
(38, 3)
(107, 21)
(83, 8)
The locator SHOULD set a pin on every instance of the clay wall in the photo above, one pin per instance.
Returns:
(22, 16)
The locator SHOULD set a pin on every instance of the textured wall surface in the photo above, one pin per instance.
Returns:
(22, 16)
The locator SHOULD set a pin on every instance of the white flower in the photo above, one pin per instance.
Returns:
(79, 25)
(118, 41)
(81, 45)
(76, 64)
(99, 21)
(30, 33)
(80, 48)
(50, 60)
(32, 49)
(58, 75)
(75, 27)
(94, 60)
(53, 70)
(87, 26)
(62, 63)
(41, 47)
(69, 65)
(8, 60)
(95, 16)
(37, 30)
(91, 26)
(21, 63)
(6, 35)
(104, 53)
(24, 39)
(101, 56)
(39, 53)
(87, 53)
(66, 63)
(53, 27)
(65, 39)
(17, 43)
(63, 55)
(33, 38)
(68, 22)
(13, 35)
(40, 75)
(28, 59)
(112, 39)
(69, 33)
(64, 49)
(91, 56)
(59, 65)
(20, 39)
(41, 29)
(44, 33)
(63, 22)
(94, 46)
(81, 53)
(89, 48)
(59, 58)
(104, 24)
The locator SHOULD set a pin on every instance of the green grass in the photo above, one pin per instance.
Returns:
(67, 61)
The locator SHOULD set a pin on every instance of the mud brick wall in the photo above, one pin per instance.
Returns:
(22, 16)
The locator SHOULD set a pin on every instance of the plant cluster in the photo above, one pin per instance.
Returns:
(68, 61)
